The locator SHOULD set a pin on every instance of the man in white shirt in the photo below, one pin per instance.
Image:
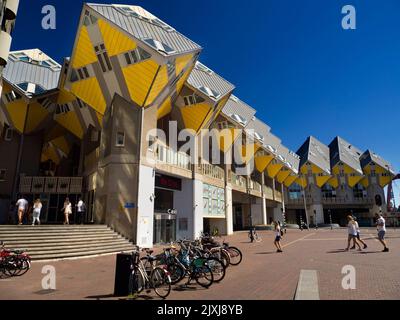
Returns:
(381, 227)
(22, 205)
(80, 209)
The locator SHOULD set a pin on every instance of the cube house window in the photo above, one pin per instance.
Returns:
(120, 139)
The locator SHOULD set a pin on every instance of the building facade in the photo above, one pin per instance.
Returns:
(8, 14)
(336, 181)
(155, 141)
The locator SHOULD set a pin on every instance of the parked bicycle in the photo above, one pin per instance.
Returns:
(13, 262)
(146, 275)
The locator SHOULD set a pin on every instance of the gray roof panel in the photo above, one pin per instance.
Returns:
(17, 72)
(315, 152)
(142, 29)
(343, 151)
(259, 128)
(369, 156)
(235, 106)
(209, 79)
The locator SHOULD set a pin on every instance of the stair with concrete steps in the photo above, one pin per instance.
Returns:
(48, 242)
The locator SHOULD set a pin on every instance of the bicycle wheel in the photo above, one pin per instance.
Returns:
(202, 273)
(235, 256)
(258, 239)
(222, 255)
(23, 265)
(217, 268)
(136, 282)
(177, 273)
(160, 281)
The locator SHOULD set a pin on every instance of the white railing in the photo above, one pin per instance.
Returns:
(56, 185)
(255, 186)
(268, 193)
(239, 181)
(168, 156)
(212, 171)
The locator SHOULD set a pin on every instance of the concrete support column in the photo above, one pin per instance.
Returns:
(198, 223)
(264, 201)
(317, 212)
(145, 210)
(264, 211)
(229, 210)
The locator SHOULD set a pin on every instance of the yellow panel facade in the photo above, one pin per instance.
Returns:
(193, 116)
(89, 91)
(248, 152)
(182, 62)
(321, 180)
(62, 144)
(282, 175)
(164, 109)
(36, 115)
(365, 182)
(262, 162)
(159, 84)
(139, 78)
(181, 81)
(226, 138)
(115, 41)
(17, 111)
(84, 51)
(65, 97)
(334, 182)
(302, 181)
(290, 180)
(70, 122)
(273, 169)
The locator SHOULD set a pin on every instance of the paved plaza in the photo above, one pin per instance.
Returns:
(263, 274)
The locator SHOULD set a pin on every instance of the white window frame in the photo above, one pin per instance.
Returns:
(117, 144)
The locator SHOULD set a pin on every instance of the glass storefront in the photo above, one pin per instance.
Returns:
(165, 215)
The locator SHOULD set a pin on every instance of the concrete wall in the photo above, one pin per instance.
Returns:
(198, 208)
(145, 207)
(183, 202)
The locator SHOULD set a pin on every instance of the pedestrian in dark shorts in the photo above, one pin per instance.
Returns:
(358, 236)
(278, 237)
(352, 233)
(381, 228)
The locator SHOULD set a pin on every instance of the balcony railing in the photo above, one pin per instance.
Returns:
(211, 171)
(255, 186)
(340, 200)
(238, 181)
(51, 185)
(168, 156)
(278, 196)
(268, 193)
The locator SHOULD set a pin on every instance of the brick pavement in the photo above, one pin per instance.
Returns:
(263, 274)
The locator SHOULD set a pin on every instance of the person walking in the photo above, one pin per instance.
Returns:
(67, 209)
(352, 233)
(358, 236)
(278, 237)
(80, 209)
(22, 205)
(37, 208)
(381, 228)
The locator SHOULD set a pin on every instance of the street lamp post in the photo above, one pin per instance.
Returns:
(330, 218)
(315, 219)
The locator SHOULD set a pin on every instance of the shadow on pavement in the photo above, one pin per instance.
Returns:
(105, 296)
(274, 252)
(338, 251)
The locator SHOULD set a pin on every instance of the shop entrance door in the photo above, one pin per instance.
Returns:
(164, 228)
(237, 218)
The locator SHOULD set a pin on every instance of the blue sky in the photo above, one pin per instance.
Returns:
(291, 60)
